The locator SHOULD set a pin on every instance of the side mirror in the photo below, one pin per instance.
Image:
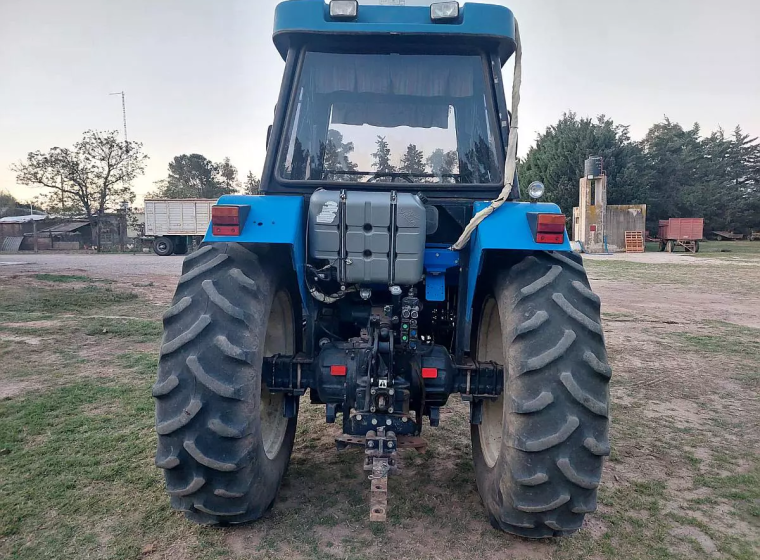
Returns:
(269, 135)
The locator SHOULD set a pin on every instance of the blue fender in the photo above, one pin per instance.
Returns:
(507, 229)
(272, 220)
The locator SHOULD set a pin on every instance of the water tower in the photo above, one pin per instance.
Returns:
(590, 216)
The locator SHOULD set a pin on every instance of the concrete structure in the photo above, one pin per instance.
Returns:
(599, 227)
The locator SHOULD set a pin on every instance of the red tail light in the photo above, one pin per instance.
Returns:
(226, 220)
(550, 228)
(429, 373)
(338, 371)
(551, 223)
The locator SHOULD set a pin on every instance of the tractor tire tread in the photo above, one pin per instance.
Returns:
(178, 308)
(557, 419)
(186, 336)
(207, 416)
(536, 405)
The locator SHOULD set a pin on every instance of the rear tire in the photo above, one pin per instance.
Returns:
(539, 450)
(223, 440)
(163, 247)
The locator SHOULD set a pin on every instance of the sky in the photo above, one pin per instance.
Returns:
(202, 76)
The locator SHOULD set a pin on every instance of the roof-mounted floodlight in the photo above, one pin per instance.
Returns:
(344, 9)
(444, 11)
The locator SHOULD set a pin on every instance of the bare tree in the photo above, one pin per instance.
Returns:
(96, 173)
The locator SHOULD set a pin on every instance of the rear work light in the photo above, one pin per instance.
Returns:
(444, 11)
(344, 9)
(227, 221)
(548, 228)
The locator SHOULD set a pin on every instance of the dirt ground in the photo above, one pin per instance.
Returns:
(683, 481)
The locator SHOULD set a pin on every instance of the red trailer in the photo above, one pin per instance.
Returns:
(686, 232)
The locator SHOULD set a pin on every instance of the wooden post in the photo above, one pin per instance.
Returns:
(122, 228)
(34, 232)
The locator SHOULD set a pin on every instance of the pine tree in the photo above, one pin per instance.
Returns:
(413, 161)
(336, 157)
(383, 157)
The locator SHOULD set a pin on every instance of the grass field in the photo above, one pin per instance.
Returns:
(78, 358)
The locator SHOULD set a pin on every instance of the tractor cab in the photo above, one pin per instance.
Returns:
(391, 97)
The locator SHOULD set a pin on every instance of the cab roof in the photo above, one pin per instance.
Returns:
(484, 26)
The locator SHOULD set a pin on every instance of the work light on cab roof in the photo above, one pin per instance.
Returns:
(344, 9)
(387, 265)
(440, 12)
(444, 11)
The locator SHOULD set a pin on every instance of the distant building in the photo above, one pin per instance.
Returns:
(67, 234)
(599, 227)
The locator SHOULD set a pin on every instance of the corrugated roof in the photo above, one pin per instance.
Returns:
(22, 219)
(67, 227)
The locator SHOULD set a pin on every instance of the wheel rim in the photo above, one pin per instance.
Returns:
(491, 349)
(162, 247)
(280, 339)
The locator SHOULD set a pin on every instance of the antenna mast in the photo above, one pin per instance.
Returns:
(124, 113)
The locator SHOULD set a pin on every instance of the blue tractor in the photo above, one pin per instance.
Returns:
(387, 265)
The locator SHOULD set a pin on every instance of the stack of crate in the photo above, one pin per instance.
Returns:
(634, 242)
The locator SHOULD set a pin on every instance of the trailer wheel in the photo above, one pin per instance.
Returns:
(663, 244)
(671, 246)
(163, 247)
(696, 246)
(223, 439)
(540, 448)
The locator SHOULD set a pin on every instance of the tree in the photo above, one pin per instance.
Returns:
(8, 204)
(743, 181)
(95, 174)
(229, 176)
(383, 157)
(557, 160)
(413, 161)
(252, 185)
(195, 176)
(59, 204)
(336, 157)
(478, 165)
(443, 163)
(715, 177)
(676, 170)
